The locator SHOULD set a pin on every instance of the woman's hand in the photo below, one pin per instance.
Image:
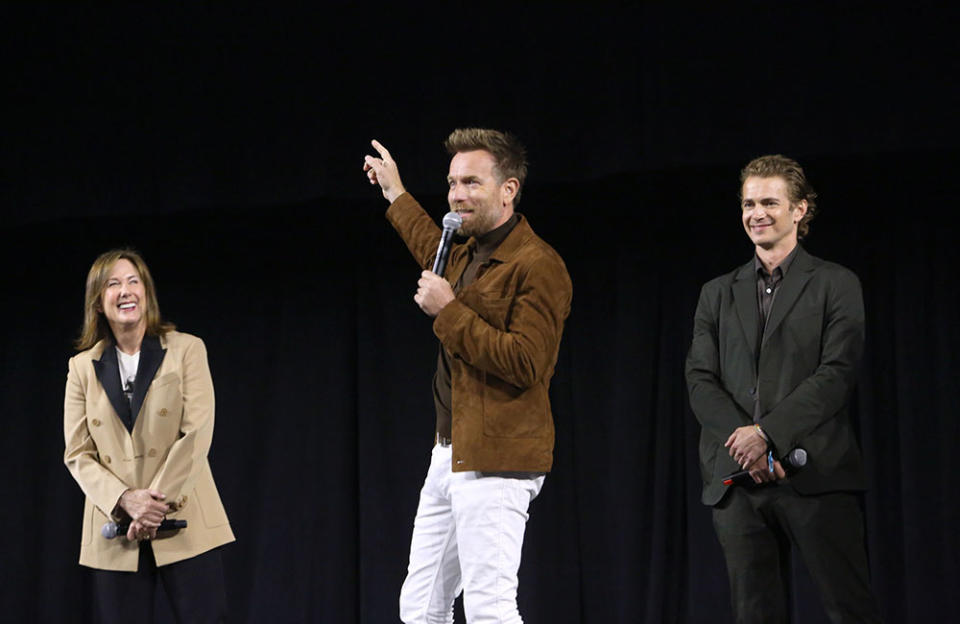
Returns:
(138, 531)
(146, 510)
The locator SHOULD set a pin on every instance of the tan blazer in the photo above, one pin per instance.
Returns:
(166, 449)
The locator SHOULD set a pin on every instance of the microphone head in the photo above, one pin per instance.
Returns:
(798, 458)
(109, 530)
(452, 221)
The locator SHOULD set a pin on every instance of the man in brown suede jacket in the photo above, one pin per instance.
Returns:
(499, 316)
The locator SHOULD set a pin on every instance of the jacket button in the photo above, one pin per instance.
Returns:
(106, 458)
(753, 391)
(152, 453)
(163, 411)
(95, 422)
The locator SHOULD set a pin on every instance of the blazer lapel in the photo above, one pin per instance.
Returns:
(108, 372)
(745, 298)
(793, 283)
(151, 356)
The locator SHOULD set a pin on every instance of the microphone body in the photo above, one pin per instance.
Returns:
(451, 223)
(794, 460)
(111, 529)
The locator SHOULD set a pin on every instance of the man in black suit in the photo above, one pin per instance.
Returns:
(776, 345)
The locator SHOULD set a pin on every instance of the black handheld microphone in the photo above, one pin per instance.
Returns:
(451, 223)
(111, 529)
(795, 460)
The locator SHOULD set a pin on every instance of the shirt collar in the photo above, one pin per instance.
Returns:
(783, 267)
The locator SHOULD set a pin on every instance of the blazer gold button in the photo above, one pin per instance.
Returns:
(106, 458)
(163, 411)
(152, 452)
(95, 422)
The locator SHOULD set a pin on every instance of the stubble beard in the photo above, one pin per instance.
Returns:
(481, 221)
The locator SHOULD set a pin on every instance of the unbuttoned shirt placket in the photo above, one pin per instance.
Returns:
(767, 286)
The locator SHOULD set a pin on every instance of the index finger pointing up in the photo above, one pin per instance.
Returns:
(380, 148)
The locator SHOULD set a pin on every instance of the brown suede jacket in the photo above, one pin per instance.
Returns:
(504, 334)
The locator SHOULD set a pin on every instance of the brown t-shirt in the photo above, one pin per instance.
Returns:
(481, 248)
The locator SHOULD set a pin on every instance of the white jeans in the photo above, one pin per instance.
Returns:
(467, 536)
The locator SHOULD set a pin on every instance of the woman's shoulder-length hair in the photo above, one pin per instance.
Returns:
(95, 326)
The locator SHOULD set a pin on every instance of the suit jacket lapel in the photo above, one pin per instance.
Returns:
(745, 298)
(793, 283)
(108, 372)
(151, 356)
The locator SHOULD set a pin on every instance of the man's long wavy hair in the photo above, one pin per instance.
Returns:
(776, 165)
(95, 325)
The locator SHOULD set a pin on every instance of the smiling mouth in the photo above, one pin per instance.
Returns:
(127, 306)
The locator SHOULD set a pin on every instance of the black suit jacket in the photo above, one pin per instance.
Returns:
(807, 366)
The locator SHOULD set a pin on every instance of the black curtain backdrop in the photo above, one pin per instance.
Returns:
(226, 145)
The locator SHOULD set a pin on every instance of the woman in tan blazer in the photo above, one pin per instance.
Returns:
(138, 422)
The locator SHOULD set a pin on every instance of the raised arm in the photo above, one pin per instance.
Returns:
(383, 171)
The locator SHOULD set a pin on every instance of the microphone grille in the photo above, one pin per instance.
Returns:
(452, 221)
(798, 457)
(109, 530)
